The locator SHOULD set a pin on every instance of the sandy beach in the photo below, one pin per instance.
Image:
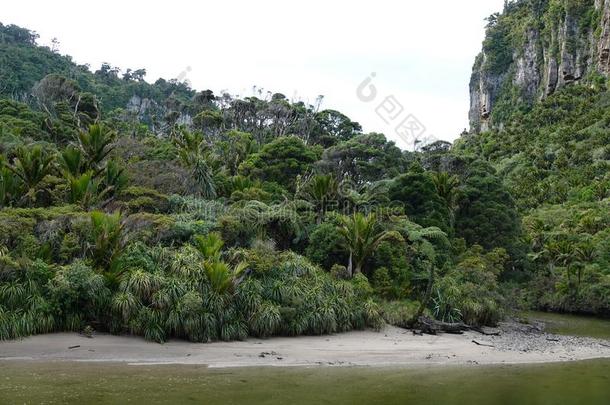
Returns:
(516, 344)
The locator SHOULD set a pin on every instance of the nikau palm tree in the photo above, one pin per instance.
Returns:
(96, 145)
(31, 165)
(320, 191)
(220, 275)
(71, 162)
(191, 147)
(585, 253)
(362, 234)
(107, 232)
(9, 184)
(209, 245)
(447, 188)
(83, 189)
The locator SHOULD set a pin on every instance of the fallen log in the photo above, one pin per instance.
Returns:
(482, 344)
(432, 327)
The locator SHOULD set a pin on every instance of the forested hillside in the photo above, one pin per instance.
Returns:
(540, 93)
(163, 211)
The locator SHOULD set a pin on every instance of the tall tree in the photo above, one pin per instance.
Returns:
(362, 234)
(447, 188)
(281, 160)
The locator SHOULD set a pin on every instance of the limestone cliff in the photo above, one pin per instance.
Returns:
(534, 48)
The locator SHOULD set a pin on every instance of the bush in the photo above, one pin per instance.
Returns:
(325, 245)
(339, 272)
(399, 313)
(470, 291)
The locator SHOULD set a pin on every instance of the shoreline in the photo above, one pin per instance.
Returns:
(515, 344)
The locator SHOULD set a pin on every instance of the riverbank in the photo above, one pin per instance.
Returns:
(515, 344)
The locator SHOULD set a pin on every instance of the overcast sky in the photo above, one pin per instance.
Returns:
(420, 51)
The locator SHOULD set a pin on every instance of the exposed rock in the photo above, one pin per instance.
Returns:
(149, 112)
(603, 46)
(484, 88)
(528, 75)
(553, 52)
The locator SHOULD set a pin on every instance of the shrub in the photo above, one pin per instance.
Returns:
(399, 313)
(339, 272)
(142, 199)
(470, 291)
(325, 245)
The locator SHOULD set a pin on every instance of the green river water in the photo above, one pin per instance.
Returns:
(586, 382)
(575, 325)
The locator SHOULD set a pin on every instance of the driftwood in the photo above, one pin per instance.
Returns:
(432, 327)
(482, 343)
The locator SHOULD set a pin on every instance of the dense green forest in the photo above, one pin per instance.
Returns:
(162, 211)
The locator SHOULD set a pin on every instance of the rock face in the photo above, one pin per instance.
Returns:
(148, 111)
(547, 44)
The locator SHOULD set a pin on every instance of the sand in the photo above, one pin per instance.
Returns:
(390, 347)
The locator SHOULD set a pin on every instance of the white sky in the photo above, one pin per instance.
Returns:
(421, 51)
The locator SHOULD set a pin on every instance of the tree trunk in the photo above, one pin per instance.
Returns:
(426, 298)
(320, 215)
(350, 265)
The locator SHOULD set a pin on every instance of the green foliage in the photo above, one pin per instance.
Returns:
(71, 161)
(554, 162)
(91, 180)
(486, 214)
(233, 149)
(332, 127)
(399, 313)
(395, 260)
(320, 190)
(9, 185)
(143, 199)
(192, 151)
(96, 145)
(83, 190)
(470, 292)
(418, 192)
(281, 160)
(31, 166)
(364, 158)
(107, 234)
(211, 214)
(339, 272)
(382, 282)
(209, 246)
(80, 294)
(498, 46)
(362, 234)
(325, 245)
